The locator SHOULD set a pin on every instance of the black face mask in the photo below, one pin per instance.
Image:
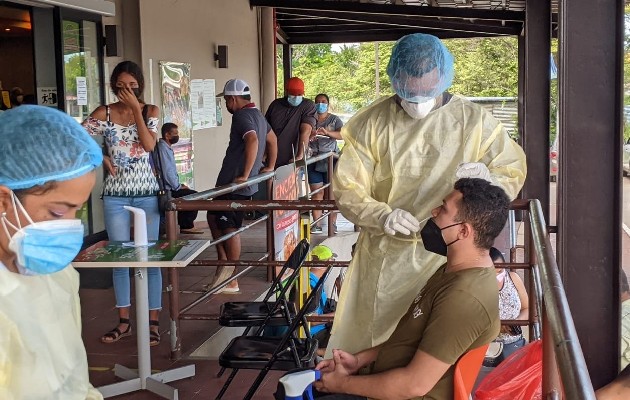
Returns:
(136, 91)
(173, 139)
(432, 238)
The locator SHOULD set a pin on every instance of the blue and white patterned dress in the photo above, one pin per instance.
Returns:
(134, 175)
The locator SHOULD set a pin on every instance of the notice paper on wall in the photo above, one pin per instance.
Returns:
(202, 103)
(82, 94)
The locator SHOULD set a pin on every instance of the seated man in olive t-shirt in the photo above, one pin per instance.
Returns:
(455, 312)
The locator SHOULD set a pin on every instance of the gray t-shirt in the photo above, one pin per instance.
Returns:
(285, 120)
(244, 120)
(323, 144)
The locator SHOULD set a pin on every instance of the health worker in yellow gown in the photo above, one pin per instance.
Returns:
(47, 163)
(402, 155)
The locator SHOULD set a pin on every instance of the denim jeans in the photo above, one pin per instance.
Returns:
(118, 225)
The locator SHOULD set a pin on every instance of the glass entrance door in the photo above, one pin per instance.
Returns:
(82, 56)
(82, 67)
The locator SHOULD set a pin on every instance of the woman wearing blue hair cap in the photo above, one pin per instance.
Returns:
(46, 174)
(402, 155)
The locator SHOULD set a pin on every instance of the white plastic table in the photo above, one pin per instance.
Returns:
(162, 254)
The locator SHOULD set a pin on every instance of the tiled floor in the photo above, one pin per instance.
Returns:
(99, 316)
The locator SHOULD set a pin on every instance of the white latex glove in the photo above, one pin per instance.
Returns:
(402, 222)
(473, 170)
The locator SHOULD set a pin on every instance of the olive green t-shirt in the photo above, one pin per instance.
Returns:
(455, 312)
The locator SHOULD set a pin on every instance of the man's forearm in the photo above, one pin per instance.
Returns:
(251, 148)
(305, 133)
(271, 148)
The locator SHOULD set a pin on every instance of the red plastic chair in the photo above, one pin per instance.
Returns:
(466, 370)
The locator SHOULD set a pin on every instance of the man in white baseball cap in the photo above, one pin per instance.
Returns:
(250, 138)
(235, 87)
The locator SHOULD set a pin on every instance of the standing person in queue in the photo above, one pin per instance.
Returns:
(250, 138)
(292, 119)
(42, 355)
(327, 132)
(129, 128)
(401, 156)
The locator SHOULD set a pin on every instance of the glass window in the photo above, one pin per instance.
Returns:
(82, 93)
(81, 68)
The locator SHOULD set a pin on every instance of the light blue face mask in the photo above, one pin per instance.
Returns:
(321, 107)
(295, 100)
(43, 247)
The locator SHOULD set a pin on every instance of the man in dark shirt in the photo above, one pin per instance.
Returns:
(292, 118)
(455, 312)
(167, 170)
(250, 138)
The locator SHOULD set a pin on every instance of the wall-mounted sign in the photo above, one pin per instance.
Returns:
(82, 99)
(47, 96)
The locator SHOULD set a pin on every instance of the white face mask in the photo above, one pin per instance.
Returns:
(43, 247)
(417, 110)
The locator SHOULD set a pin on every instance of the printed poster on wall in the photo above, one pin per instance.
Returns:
(285, 222)
(202, 102)
(219, 112)
(209, 112)
(175, 82)
(82, 91)
(196, 103)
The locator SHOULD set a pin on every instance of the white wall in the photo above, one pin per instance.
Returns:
(189, 31)
(127, 20)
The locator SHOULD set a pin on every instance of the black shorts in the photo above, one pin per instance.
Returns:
(230, 219)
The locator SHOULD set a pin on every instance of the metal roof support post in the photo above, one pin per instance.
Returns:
(267, 57)
(535, 140)
(287, 53)
(589, 182)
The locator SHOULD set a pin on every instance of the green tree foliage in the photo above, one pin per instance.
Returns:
(485, 67)
(75, 66)
(347, 73)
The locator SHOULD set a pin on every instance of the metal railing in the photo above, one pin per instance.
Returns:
(565, 374)
(204, 201)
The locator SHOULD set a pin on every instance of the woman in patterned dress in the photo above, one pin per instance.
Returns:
(129, 129)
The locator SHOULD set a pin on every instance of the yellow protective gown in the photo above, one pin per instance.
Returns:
(389, 161)
(42, 355)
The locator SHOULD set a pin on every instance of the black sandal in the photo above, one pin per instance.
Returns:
(116, 334)
(154, 336)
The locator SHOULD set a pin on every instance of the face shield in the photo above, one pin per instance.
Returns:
(420, 68)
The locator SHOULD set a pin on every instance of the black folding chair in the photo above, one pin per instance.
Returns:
(266, 312)
(256, 313)
(280, 353)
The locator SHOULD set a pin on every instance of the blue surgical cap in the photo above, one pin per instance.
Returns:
(41, 144)
(420, 68)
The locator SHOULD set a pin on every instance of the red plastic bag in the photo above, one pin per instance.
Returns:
(519, 377)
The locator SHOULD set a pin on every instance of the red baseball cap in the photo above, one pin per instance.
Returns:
(295, 87)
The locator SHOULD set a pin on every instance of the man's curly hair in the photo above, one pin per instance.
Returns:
(485, 207)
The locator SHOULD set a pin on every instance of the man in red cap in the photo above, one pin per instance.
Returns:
(292, 118)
